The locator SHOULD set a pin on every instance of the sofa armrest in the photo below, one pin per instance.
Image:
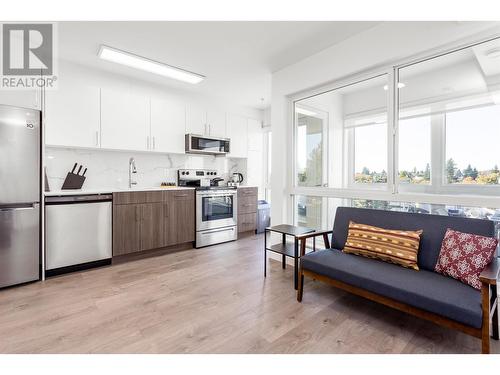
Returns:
(490, 273)
(313, 234)
(305, 236)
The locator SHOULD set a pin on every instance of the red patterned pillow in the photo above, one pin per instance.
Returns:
(463, 256)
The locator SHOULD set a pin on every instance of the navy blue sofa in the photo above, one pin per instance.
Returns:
(423, 293)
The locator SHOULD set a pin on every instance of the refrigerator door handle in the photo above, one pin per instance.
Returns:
(19, 208)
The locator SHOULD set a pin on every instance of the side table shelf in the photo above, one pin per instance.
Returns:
(286, 249)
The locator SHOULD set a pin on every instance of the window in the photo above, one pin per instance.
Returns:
(341, 136)
(319, 212)
(310, 147)
(268, 143)
(472, 152)
(440, 144)
(309, 211)
(370, 164)
(449, 124)
(414, 159)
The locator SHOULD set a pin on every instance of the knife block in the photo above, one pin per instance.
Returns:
(73, 181)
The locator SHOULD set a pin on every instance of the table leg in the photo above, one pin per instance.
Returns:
(283, 257)
(296, 264)
(265, 253)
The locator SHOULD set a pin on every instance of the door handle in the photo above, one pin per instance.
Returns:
(147, 142)
(180, 195)
(219, 230)
(165, 210)
(137, 214)
(10, 209)
(154, 143)
(97, 138)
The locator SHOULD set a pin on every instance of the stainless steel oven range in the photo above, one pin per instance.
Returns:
(216, 207)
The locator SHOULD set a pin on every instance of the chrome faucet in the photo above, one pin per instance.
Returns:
(131, 169)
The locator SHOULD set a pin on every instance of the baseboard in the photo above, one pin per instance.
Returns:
(152, 253)
(77, 267)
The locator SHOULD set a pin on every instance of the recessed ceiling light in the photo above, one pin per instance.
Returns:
(400, 86)
(306, 112)
(143, 63)
(493, 53)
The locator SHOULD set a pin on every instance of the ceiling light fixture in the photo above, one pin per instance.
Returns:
(400, 86)
(142, 63)
(306, 112)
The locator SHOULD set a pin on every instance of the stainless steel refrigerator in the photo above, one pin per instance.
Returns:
(20, 133)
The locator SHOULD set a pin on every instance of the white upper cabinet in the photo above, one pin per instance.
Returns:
(21, 98)
(255, 138)
(168, 125)
(216, 121)
(202, 122)
(238, 134)
(196, 120)
(125, 120)
(72, 115)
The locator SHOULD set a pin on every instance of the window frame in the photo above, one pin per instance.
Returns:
(476, 197)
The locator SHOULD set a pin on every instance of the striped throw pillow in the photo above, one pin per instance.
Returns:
(394, 246)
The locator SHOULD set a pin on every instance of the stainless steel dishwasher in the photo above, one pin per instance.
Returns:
(78, 232)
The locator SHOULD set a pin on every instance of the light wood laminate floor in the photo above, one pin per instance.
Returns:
(211, 300)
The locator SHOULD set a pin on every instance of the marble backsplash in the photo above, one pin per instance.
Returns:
(109, 169)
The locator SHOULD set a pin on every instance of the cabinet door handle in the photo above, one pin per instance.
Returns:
(154, 143)
(136, 214)
(147, 142)
(97, 138)
(180, 195)
(165, 210)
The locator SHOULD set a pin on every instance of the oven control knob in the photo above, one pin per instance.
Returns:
(187, 172)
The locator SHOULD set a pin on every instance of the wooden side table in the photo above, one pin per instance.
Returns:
(286, 249)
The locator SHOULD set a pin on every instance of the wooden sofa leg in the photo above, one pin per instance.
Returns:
(485, 334)
(494, 319)
(300, 290)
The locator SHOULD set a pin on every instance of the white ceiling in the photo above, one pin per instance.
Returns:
(237, 58)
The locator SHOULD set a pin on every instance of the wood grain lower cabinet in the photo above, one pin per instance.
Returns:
(151, 220)
(151, 226)
(126, 229)
(247, 209)
(179, 217)
(184, 220)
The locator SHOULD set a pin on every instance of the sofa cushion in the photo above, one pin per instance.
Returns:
(426, 290)
(464, 256)
(434, 227)
(394, 246)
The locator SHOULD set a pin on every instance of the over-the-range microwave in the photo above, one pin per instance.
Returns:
(200, 144)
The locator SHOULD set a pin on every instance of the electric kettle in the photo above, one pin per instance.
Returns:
(237, 178)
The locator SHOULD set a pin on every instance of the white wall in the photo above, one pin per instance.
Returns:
(381, 45)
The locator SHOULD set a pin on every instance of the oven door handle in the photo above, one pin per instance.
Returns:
(218, 230)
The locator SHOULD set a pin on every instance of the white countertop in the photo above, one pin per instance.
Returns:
(118, 190)
(111, 190)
